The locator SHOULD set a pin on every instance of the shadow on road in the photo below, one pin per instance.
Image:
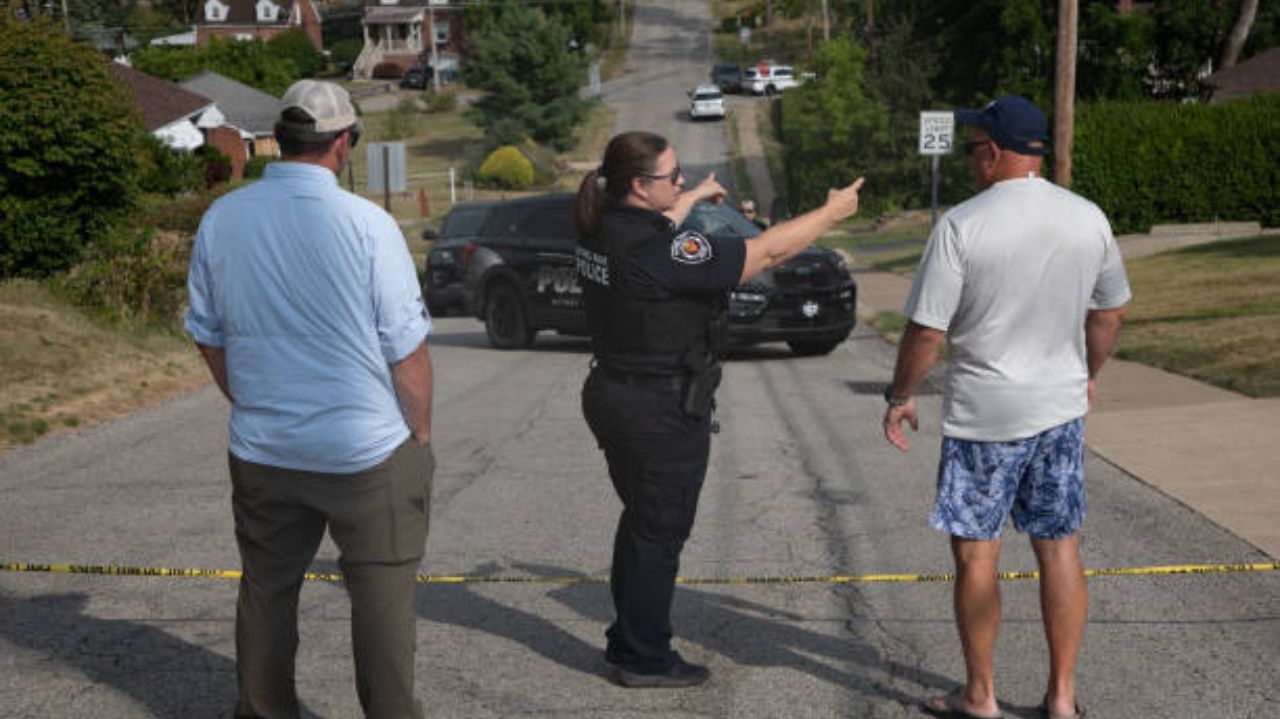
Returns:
(458, 605)
(745, 632)
(169, 676)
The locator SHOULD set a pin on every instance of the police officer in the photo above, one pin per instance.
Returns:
(655, 298)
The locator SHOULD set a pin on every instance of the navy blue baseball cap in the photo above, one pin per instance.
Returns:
(1012, 122)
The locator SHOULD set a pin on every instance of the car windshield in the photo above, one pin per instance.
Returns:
(708, 95)
(463, 220)
(719, 221)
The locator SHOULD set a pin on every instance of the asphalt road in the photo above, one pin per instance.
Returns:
(801, 485)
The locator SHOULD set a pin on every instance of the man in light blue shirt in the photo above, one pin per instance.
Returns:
(305, 304)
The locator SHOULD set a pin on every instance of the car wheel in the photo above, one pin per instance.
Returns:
(770, 91)
(506, 320)
(813, 348)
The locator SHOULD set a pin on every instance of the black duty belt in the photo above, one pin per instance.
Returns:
(673, 383)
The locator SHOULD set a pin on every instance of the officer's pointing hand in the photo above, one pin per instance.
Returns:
(710, 190)
(845, 200)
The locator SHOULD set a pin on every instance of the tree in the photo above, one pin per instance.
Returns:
(1239, 33)
(830, 125)
(1115, 52)
(523, 61)
(296, 46)
(252, 62)
(899, 79)
(68, 163)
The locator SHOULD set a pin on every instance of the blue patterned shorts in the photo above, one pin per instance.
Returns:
(1039, 480)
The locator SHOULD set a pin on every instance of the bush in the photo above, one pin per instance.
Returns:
(217, 166)
(1150, 162)
(344, 53)
(183, 215)
(166, 172)
(254, 168)
(145, 283)
(387, 71)
(68, 158)
(507, 168)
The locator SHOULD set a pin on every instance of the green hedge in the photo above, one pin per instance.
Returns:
(1145, 163)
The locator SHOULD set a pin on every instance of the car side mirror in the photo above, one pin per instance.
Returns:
(429, 234)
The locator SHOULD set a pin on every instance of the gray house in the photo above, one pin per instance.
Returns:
(250, 111)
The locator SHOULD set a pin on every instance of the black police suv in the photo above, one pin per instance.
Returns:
(519, 276)
(442, 274)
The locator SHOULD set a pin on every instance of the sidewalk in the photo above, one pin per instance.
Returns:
(1211, 449)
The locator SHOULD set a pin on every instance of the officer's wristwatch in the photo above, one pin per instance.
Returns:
(894, 401)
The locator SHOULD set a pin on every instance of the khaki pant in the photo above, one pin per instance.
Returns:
(378, 519)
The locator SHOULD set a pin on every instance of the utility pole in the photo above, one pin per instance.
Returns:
(826, 21)
(1064, 105)
(435, 55)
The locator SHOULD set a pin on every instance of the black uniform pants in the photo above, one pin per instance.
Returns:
(657, 458)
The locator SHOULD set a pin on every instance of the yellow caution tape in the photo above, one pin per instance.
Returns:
(498, 579)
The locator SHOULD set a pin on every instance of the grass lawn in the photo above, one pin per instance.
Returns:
(1211, 312)
(60, 370)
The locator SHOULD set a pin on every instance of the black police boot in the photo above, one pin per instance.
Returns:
(680, 674)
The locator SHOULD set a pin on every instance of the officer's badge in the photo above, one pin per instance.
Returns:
(690, 248)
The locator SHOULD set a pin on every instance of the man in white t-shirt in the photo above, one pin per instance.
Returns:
(1025, 283)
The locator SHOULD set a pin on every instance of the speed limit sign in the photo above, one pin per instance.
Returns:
(937, 132)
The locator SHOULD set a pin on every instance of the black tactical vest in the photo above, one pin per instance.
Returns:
(636, 325)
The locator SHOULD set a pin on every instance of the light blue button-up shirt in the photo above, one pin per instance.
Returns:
(312, 293)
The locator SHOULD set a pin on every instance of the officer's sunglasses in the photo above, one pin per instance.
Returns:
(670, 177)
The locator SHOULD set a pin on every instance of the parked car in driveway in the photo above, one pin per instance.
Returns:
(727, 76)
(770, 79)
(706, 101)
(520, 277)
(415, 78)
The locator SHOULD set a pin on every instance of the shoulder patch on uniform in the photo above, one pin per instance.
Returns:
(690, 248)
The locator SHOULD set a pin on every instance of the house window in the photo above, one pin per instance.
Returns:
(442, 33)
(268, 11)
(215, 11)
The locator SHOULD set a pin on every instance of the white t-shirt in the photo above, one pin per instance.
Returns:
(1010, 275)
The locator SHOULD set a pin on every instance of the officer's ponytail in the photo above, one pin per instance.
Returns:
(628, 155)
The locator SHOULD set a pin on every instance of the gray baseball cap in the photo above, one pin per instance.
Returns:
(328, 105)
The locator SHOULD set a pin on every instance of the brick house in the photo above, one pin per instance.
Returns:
(264, 19)
(409, 33)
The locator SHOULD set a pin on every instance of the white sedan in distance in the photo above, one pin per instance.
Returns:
(706, 101)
